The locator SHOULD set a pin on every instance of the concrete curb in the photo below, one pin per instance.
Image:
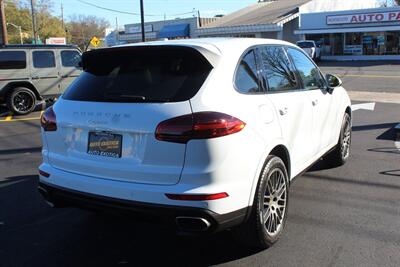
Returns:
(397, 129)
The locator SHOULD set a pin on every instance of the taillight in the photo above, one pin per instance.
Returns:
(199, 125)
(48, 120)
(194, 197)
(44, 174)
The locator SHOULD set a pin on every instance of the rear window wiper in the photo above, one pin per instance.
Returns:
(117, 96)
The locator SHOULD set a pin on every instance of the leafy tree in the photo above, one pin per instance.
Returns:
(20, 16)
(78, 30)
(47, 25)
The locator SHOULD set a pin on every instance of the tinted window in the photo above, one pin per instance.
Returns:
(12, 60)
(43, 59)
(308, 72)
(246, 79)
(70, 58)
(140, 74)
(305, 44)
(278, 71)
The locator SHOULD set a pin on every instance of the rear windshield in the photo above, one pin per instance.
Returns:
(305, 44)
(140, 74)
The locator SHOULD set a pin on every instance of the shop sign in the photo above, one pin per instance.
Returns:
(56, 40)
(138, 28)
(353, 49)
(390, 16)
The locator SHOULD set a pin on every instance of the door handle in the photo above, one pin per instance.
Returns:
(283, 111)
(314, 102)
(35, 77)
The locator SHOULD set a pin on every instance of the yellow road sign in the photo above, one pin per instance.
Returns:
(95, 41)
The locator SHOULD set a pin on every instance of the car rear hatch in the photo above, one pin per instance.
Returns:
(107, 118)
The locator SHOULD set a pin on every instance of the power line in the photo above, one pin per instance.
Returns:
(131, 13)
(113, 10)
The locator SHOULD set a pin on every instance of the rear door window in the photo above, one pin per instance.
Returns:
(43, 59)
(246, 78)
(70, 58)
(140, 74)
(278, 71)
(12, 60)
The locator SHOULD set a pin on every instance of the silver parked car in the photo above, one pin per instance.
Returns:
(31, 74)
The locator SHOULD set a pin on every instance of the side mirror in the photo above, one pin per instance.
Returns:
(333, 81)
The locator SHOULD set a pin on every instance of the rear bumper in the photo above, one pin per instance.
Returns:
(166, 214)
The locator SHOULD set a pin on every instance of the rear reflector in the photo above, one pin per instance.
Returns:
(44, 174)
(197, 197)
(48, 120)
(199, 125)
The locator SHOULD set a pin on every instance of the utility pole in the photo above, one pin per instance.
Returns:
(33, 22)
(3, 25)
(198, 15)
(142, 20)
(62, 16)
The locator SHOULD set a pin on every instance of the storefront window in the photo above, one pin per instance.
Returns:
(331, 44)
(356, 43)
(353, 43)
(392, 43)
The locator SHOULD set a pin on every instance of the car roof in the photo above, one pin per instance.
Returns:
(217, 45)
(38, 46)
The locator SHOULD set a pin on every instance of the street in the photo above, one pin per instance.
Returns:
(346, 216)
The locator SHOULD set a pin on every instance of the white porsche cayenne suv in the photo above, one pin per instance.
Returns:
(202, 134)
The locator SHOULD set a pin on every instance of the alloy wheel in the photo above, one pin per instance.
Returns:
(346, 141)
(23, 102)
(274, 203)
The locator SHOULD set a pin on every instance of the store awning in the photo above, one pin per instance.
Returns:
(174, 30)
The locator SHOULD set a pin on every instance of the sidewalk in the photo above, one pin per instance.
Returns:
(375, 97)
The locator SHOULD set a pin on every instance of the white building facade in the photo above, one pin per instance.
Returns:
(353, 33)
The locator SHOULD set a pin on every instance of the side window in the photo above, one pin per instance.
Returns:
(43, 59)
(12, 60)
(70, 58)
(246, 79)
(277, 70)
(308, 72)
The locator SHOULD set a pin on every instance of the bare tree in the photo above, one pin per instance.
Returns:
(82, 28)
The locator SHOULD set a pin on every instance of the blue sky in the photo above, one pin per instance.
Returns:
(156, 8)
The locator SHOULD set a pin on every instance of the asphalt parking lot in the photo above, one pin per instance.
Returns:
(346, 216)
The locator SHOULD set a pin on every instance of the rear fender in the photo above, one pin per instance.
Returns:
(261, 165)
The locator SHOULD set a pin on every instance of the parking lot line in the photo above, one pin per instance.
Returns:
(19, 119)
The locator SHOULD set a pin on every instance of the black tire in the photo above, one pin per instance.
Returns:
(341, 153)
(21, 101)
(254, 231)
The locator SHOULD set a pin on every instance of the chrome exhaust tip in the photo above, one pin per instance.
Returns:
(192, 224)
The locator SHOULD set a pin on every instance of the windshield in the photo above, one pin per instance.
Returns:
(140, 74)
